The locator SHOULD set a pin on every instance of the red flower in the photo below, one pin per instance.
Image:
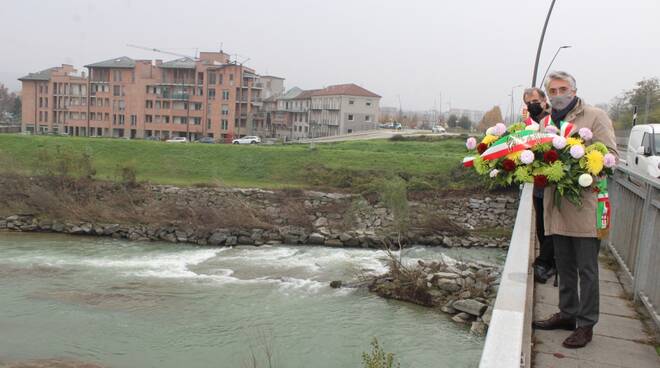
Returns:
(508, 165)
(550, 156)
(540, 181)
(482, 147)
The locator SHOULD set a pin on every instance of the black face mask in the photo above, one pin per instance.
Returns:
(534, 108)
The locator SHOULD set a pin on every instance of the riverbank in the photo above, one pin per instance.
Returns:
(344, 166)
(230, 216)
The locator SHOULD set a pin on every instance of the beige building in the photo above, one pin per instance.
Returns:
(343, 109)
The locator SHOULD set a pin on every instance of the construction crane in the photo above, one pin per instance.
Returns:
(163, 52)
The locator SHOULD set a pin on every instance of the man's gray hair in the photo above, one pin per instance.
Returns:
(557, 75)
(530, 91)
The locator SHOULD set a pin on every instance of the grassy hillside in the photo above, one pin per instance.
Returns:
(350, 165)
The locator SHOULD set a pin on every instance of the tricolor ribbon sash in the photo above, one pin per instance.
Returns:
(565, 128)
(514, 142)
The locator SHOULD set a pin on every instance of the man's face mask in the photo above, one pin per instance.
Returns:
(560, 102)
(534, 108)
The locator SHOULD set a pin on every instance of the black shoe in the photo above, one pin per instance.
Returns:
(542, 273)
(555, 322)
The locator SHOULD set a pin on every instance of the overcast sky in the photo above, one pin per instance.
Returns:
(472, 52)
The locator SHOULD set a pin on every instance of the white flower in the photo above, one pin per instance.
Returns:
(585, 133)
(490, 131)
(527, 157)
(500, 128)
(585, 180)
(559, 142)
(494, 172)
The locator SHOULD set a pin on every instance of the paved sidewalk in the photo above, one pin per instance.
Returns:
(618, 336)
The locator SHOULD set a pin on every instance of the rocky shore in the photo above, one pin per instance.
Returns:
(465, 290)
(257, 217)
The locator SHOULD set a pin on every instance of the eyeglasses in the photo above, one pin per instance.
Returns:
(560, 90)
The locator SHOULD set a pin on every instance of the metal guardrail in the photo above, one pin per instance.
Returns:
(635, 234)
(508, 343)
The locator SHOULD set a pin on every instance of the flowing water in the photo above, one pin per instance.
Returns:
(126, 304)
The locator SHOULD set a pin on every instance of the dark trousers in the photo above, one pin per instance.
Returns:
(577, 261)
(546, 255)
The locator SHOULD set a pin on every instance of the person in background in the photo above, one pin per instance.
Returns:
(574, 228)
(537, 108)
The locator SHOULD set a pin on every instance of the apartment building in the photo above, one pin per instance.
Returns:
(343, 109)
(123, 97)
(338, 109)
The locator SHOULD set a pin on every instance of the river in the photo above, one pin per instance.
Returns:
(130, 304)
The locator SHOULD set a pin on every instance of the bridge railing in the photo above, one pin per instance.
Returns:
(635, 234)
(508, 342)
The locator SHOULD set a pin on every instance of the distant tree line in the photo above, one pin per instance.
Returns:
(10, 105)
(646, 96)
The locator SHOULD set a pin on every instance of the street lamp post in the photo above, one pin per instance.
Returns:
(538, 50)
(512, 103)
(552, 61)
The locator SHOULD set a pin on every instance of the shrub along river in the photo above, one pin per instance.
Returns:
(128, 304)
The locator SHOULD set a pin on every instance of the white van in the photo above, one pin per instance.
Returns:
(643, 154)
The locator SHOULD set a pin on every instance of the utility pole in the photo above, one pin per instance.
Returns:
(538, 50)
(646, 108)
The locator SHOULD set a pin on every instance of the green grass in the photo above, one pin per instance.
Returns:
(338, 165)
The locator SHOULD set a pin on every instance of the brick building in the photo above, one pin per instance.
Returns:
(123, 97)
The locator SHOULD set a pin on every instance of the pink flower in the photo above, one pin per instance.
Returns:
(500, 129)
(471, 143)
(585, 133)
(559, 142)
(527, 157)
(551, 129)
(609, 160)
(577, 151)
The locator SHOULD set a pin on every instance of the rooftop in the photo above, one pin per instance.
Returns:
(120, 62)
(350, 89)
(43, 75)
(183, 63)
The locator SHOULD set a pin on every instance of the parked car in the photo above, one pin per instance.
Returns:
(643, 153)
(250, 139)
(206, 140)
(177, 140)
(438, 129)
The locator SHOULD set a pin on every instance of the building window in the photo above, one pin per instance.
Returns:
(351, 102)
(116, 90)
(149, 104)
(367, 118)
(211, 93)
(225, 95)
(368, 103)
(208, 123)
(116, 75)
(166, 104)
(220, 78)
(350, 117)
(133, 120)
(231, 76)
(212, 78)
(148, 118)
(200, 78)
(197, 121)
(197, 106)
(224, 124)
(225, 110)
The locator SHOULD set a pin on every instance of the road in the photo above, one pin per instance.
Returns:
(372, 134)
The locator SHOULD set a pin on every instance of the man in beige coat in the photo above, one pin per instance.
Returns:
(573, 229)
